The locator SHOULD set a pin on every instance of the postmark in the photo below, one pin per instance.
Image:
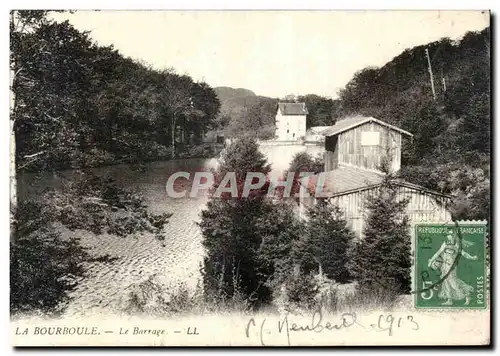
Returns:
(450, 267)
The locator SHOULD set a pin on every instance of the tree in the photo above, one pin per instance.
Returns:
(206, 101)
(43, 267)
(304, 162)
(322, 111)
(325, 244)
(381, 259)
(57, 73)
(21, 24)
(229, 227)
(246, 238)
(452, 133)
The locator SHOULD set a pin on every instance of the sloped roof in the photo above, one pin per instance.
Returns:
(343, 179)
(347, 179)
(352, 122)
(293, 108)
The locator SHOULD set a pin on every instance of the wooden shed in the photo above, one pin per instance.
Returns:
(354, 150)
(363, 142)
(349, 187)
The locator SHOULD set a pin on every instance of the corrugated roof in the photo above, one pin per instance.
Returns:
(293, 108)
(346, 179)
(352, 122)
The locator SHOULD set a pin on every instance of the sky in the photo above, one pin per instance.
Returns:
(273, 53)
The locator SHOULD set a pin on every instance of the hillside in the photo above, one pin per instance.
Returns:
(226, 93)
(243, 112)
(450, 151)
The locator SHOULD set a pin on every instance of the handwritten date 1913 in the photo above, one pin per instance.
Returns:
(389, 322)
(347, 320)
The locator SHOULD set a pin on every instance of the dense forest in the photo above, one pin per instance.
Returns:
(80, 104)
(450, 151)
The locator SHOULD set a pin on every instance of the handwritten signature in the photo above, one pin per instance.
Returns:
(385, 322)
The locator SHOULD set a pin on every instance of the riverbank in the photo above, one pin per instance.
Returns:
(176, 260)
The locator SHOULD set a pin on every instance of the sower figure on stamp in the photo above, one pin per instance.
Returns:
(451, 288)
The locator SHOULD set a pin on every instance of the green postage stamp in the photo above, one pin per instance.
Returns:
(450, 267)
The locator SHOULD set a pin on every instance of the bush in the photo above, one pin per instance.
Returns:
(304, 162)
(155, 298)
(43, 267)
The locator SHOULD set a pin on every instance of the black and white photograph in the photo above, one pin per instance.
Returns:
(250, 178)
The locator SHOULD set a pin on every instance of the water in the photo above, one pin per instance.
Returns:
(107, 286)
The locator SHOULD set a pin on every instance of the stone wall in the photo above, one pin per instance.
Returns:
(280, 153)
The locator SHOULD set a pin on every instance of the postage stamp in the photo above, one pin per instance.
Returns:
(450, 268)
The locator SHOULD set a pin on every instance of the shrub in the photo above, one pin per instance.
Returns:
(44, 268)
(304, 162)
(155, 298)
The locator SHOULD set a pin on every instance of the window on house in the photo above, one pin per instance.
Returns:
(287, 131)
(370, 138)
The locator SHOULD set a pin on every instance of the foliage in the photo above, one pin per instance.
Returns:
(323, 248)
(381, 259)
(301, 163)
(245, 238)
(469, 184)
(322, 111)
(99, 205)
(244, 113)
(249, 115)
(155, 298)
(44, 267)
(301, 291)
(304, 162)
(453, 128)
(241, 157)
(76, 105)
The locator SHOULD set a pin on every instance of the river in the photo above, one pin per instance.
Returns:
(108, 285)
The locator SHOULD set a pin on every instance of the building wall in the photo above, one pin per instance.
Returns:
(290, 127)
(357, 148)
(280, 154)
(422, 207)
(331, 153)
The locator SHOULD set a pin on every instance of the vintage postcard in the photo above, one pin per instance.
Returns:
(250, 178)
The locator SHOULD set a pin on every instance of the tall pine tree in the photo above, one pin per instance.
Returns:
(325, 243)
(235, 230)
(381, 259)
